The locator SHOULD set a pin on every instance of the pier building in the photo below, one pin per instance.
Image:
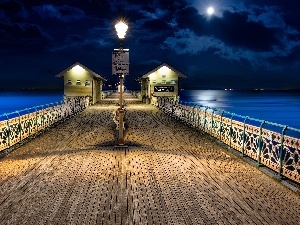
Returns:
(82, 81)
(162, 81)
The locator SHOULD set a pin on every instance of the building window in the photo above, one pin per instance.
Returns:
(69, 82)
(78, 82)
(173, 82)
(163, 88)
(154, 81)
(87, 83)
(163, 76)
(163, 82)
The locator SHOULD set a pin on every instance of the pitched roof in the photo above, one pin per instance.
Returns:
(180, 75)
(95, 75)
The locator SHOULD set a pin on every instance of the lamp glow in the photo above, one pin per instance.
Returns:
(121, 29)
(78, 69)
(210, 10)
(164, 70)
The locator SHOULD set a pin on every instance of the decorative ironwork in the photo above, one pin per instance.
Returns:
(277, 151)
(19, 125)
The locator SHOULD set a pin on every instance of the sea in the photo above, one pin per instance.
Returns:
(24, 101)
(275, 106)
(281, 107)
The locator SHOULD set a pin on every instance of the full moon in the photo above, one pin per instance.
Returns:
(210, 10)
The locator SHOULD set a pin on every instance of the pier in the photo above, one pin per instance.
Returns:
(169, 174)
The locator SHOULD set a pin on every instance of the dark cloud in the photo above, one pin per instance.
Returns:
(65, 13)
(154, 31)
(292, 59)
(13, 9)
(244, 41)
(157, 25)
(74, 38)
(233, 29)
(236, 29)
(22, 35)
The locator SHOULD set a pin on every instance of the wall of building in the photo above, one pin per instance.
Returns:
(79, 82)
(97, 91)
(163, 77)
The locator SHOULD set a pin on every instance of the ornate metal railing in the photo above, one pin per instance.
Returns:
(274, 149)
(105, 94)
(17, 126)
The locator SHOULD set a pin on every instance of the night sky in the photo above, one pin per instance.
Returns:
(244, 44)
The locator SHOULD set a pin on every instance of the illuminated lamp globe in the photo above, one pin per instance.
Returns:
(121, 29)
(210, 10)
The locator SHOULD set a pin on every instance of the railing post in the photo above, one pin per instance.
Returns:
(74, 106)
(28, 122)
(182, 108)
(60, 112)
(184, 112)
(281, 152)
(244, 136)
(19, 125)
(173, 109)
(194, 115)
(198, 117)
(260, 143)
(212, 121)
(47, 107)
(36, 125)
(43, 116)
(221, 124)
(230, 131)
(190, 113)
(205, 117)
(8, 130)
(160, 103)
(187, 114)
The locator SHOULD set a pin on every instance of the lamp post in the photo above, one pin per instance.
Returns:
(121, 29)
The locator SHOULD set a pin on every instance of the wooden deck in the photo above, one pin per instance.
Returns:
(170, 174)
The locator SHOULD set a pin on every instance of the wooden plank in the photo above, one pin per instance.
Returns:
(170, 174)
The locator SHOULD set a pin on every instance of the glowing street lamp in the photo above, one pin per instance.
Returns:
(121, 29)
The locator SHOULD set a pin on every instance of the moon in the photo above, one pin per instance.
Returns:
(210, 10)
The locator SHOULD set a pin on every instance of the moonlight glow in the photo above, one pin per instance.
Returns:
(210, 10)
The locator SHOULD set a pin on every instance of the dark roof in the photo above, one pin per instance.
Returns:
(95, 75)
(180, 75)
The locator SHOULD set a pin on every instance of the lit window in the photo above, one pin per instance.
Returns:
(173, 82)
(78, 82)
(87, 83)
(69, 82)
(163, 82)
(163, 88)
